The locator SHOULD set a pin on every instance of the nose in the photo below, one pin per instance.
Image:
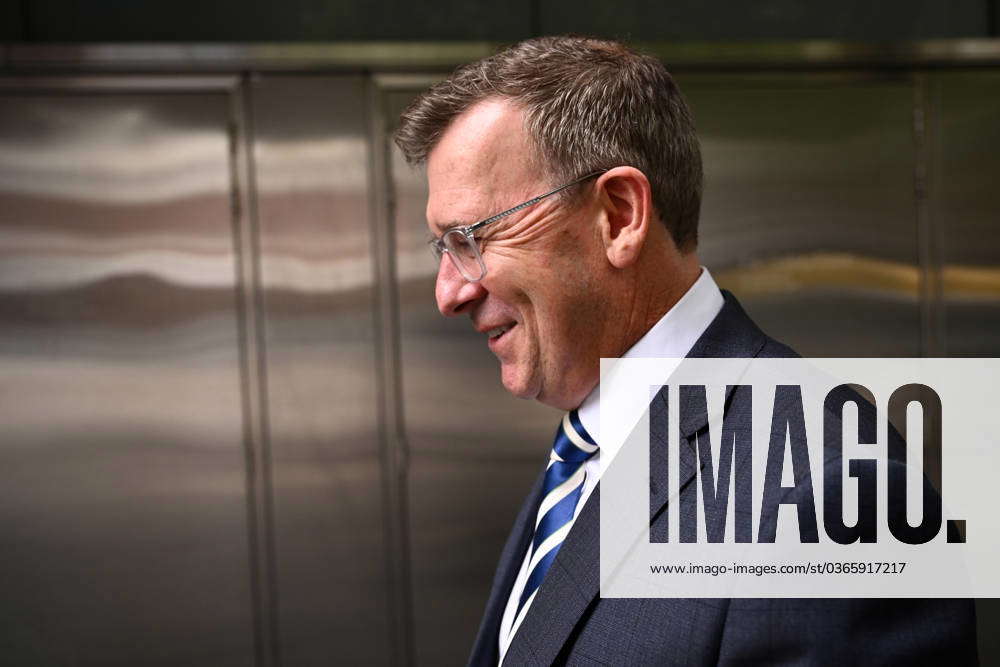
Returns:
(455, 295)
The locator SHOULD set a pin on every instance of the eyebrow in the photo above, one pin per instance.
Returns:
(444, 229)
(454, 224)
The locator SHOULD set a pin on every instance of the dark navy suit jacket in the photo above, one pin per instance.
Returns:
(569, 623)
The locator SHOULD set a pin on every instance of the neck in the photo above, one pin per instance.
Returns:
(647, 295)
(633, 301)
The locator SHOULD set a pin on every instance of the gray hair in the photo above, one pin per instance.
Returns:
(590, 104)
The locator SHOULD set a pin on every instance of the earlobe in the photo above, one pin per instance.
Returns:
(626, 197)
(623, 255)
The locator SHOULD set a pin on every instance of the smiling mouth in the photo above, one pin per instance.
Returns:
(495, 333)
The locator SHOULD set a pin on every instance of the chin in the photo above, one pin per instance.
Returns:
(519, 386)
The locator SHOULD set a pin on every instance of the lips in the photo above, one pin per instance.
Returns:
(498, 336)
(496, 332)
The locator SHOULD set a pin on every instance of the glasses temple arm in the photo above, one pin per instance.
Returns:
(530, 202)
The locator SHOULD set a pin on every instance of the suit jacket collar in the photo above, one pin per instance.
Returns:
(732, 334)
(573, 581)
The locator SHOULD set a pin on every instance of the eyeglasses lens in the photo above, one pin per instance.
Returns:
(464, 252)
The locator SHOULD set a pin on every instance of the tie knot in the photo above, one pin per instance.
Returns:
(573, 443)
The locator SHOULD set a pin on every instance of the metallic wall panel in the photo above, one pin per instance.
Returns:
(318, 305)
(123, 535)
(963, 138)
(964, 210)
(474, 449)
(809, 212)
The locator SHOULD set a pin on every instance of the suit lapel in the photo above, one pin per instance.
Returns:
(573, 580)
(569, 587)
(732, 334)
(484, 651)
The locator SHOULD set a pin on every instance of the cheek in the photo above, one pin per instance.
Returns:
(556, 291)
(570, 316)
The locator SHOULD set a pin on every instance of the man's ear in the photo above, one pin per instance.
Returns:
(627, 200)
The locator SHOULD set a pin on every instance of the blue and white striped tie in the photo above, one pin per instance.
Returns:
(561, 491)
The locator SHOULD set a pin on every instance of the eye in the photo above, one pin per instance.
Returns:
(460, 245)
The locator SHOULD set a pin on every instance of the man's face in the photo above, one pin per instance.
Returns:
(539, 304)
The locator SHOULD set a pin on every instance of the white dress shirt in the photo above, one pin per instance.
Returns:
(672, 336)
